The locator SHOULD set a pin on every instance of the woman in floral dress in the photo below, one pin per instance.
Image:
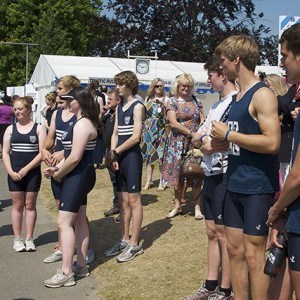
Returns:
(154, 133)
(184, 113)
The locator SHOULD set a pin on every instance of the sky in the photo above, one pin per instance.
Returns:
(272, 9)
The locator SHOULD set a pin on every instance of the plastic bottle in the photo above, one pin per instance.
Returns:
(275, 257)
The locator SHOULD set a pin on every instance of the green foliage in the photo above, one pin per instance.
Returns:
(59, 27)
(186, 30)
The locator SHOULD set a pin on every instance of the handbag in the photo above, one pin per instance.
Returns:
(190, 167)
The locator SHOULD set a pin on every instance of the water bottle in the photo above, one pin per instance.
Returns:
(275, 257)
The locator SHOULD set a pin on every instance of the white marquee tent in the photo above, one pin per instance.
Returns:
(50, 68)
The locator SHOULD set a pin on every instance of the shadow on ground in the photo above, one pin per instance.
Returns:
(105, 232)
(6, 203)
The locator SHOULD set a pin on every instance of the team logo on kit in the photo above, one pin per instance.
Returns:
(64, 135)
(32, 138)
(127, 120)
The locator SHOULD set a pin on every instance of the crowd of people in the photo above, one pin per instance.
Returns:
(250, 193)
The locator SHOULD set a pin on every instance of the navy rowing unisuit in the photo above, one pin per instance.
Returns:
(24, 148)
(80, 181)
(129, 176)
(60, 127)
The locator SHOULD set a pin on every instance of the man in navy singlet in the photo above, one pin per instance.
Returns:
(253, 133)
(290, 195)
(128, 166)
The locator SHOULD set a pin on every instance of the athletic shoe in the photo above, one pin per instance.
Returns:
(117, 248)
(90, 256)
(113, 211)
(19, 245)
(118, 219)
(60, 279)
(53, 257)
(29, 244)
(219, 295)
(80, 271)
(130, 253)
(202, 293)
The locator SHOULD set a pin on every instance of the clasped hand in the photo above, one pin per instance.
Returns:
(218, 130)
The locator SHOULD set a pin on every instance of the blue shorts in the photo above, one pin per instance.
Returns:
(29, 183)
(129, 175)
(248, 212)
(293, 250)
(75, 188)
(56, 188)
(213, 198)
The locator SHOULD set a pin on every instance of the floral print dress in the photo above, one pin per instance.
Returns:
(187, 114)
(154, 133)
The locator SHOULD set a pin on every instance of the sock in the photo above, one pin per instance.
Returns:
(227, 291)
(211, 285)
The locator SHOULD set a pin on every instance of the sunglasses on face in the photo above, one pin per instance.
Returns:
(158, 86)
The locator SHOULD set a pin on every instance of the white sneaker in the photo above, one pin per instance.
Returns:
(130, 253)
(30, 246)
(53, 257)
(19, 245)
(60, 279)
(117, 248)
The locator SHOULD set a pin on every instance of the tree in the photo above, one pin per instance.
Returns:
(59, 27)
(186, 30)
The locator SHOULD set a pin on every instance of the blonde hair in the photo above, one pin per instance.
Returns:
(241, 46)
(183, 79)
(51, 97)
(151, 90)
(277, 84)
(70, 81)
(26, 101)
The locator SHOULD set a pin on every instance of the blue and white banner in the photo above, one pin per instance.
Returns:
(284, 23)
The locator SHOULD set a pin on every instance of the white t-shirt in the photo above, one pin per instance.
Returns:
(215, 114)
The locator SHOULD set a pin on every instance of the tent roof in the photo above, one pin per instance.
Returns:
(51, 67)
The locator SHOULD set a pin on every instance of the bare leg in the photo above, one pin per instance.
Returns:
(65, 223)
(125, 213)
(295, 276)
(137, 216)
(81, 235)
(222, 240)
(196, 196)
(255, 256)
(161, 187)
(149, 182)
(31, 213)
(178, 195)
(58, 246)
(213, 252)
(238, 265)
(18, 200)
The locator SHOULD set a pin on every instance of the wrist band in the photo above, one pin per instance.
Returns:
(56, 169)
(202, 137)
(227, 134)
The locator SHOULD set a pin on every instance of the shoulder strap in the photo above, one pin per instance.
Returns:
(226, 112)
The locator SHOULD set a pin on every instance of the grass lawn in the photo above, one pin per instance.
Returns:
(174, 262)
